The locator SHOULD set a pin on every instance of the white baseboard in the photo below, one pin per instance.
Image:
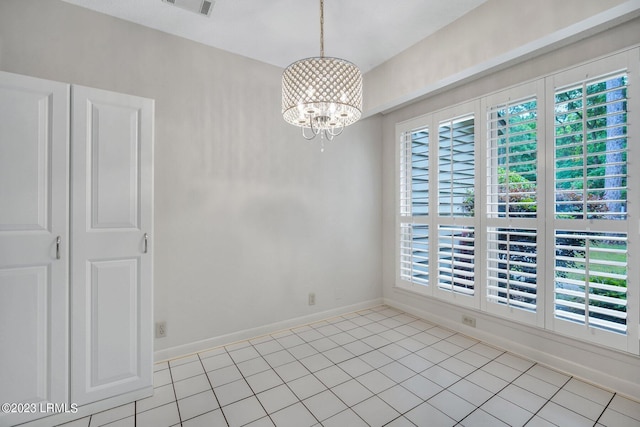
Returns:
(606, 368)
(198, 346)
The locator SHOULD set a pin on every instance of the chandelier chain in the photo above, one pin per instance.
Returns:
(321, 28)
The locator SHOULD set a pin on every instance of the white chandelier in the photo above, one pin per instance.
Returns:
(322, 94)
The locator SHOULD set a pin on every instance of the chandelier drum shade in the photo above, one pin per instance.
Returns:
(322, 94)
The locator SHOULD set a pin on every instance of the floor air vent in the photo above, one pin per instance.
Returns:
(201, 7)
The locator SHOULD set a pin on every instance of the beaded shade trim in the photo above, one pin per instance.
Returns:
(327, 91)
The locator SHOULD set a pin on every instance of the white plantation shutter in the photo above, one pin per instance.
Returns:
(414, 253)
(591, 149)
(418, 150)
(591, 279)
(437, 246)
(456, 166)
(589, 222)
(456, 259)
(405, 175)
(454, 227)
(531, 213)
(414, 207)
(512, 219)
(512, 160)
(512, 267)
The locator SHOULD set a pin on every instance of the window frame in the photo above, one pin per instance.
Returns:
(410, 126)
(452, 114)
(543, 88)
(607, 66)
(534, 89)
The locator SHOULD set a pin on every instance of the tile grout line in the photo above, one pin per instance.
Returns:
(461, 378)
(212, 391)
(605, 408)
(562, 387)
(296, 360)
(512, 382)
(313, 373)
(375, 348)
(333, 364)
(273, 369)
(375, 369)
(173, 387)
(401, 414)
(401, 342)
(549, 400)
(317, 352)
(228, 352)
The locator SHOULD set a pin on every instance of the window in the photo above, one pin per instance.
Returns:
(455, 220)
(414, 263)
(513, 159)
(590, 164)
(437, 246)
(414, 207)
(512, 266)
(512, 221)
(519, 204)
(591, 279)
(590, 212)
(456, 256)
(456, 167)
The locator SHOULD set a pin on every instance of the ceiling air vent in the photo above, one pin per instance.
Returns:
(201, 7)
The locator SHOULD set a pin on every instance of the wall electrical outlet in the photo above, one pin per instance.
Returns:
(312, 298)
(469, 321)
(161, 329)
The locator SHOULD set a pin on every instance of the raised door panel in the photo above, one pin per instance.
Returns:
(24, 169)
(111, 269)
(34, 293)
(114, 296)
(115, 169)
(29, 286)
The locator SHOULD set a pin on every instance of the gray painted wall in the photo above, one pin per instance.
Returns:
(488, 34)
(249, 217)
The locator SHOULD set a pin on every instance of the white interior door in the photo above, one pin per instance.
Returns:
(34, 153)
(111, 259)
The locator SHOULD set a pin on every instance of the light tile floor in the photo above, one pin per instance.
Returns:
(370, 368)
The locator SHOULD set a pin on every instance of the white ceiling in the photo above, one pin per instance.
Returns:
(279, 32)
